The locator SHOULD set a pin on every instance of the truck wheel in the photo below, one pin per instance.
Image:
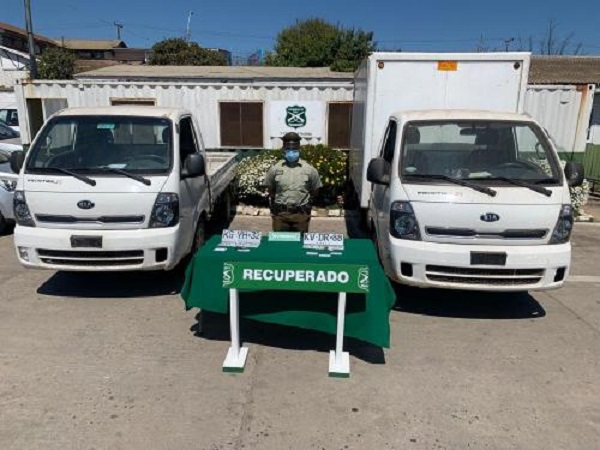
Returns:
(3, 224)
(227, 200)
(199, 236)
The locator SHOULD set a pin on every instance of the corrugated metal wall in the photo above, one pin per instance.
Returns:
(564, 111)
(7, 99)
(203, 100)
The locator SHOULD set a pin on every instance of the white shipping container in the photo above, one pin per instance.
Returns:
(201, 98)
(564, 110)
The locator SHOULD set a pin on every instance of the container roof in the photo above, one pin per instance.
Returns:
(218, 73)
(565, 70)
(88, 44)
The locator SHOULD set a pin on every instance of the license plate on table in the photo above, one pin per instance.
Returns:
(488, 259)
(86, 241)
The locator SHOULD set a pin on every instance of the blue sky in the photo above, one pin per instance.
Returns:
(244, 26)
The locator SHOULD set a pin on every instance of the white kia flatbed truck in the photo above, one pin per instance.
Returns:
(116, 188)
(459, 197)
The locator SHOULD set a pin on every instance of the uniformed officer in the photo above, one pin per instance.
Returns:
(292, 184)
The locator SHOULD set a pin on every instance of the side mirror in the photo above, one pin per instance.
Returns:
(574, 174)
(378, 171)
(16, 161)
(194, 166)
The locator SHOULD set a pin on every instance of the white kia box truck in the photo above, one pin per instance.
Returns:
(116, 188)
(460, 189)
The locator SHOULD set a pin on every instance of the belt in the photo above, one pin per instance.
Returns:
(279, 208)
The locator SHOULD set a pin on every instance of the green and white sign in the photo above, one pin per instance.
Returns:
(295, 116)
(307, 118)
(296, 277)
(284, 236)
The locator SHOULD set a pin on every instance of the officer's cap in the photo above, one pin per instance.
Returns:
(291, 137)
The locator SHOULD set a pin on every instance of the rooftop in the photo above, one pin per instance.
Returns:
(88, 44)
(218, 73)
(23, 32)
(459, 114)
(564, 70)
(124, 110)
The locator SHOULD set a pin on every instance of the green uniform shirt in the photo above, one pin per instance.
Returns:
(293, 183)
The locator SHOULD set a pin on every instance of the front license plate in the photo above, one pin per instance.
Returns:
(488, 259)
(86, 241)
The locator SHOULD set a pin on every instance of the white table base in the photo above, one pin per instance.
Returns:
(235, 361)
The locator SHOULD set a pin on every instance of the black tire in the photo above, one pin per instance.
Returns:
(3, 224)
(227, 201)
(199, 235)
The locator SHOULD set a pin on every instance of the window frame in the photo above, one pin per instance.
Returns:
(242, 144)
(350, 105)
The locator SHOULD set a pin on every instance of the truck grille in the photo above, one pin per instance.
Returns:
(472, 233)
(475, 276)
(46, 218)
(76, 258)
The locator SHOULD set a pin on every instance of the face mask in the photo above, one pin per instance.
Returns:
(292, 156)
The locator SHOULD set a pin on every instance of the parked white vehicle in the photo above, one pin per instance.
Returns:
(461, 198)
(116, 188)
(8, 182)
(10, 116)
(10, 139)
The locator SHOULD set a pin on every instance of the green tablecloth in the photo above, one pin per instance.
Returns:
(367, 316)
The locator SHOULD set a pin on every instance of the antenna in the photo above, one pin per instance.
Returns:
(507, 42)
(118, 25)
(188, 29)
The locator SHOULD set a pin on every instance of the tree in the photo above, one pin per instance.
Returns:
(552, 42)
(178, 52)
(317, 43)
(56, 63)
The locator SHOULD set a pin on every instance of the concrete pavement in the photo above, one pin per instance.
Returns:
(105, 361)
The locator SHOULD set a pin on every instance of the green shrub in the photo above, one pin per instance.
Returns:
(332, 166)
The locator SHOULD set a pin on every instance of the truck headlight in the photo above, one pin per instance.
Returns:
(8, 185)
(403, 222)
(165, 212)
(21, 210)
(564, 226)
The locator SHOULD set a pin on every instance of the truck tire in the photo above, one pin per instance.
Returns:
(227, 201)
(199, 235)
(3, 224)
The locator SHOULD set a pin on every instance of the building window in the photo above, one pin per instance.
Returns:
(241, 124)
(339, 125)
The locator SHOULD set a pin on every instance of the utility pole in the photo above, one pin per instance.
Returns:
(188, 29)
(30, 40)
(507, 43)
(118, 26)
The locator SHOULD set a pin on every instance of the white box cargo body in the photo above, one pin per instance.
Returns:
(390, 82)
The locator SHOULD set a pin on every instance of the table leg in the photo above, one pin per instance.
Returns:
(236, 355)
(339, 360)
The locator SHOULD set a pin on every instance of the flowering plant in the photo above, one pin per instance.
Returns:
(331, 165)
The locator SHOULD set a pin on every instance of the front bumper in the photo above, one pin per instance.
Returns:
(448, 266)
(122, 250)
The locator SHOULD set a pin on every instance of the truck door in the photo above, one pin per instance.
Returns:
(380, 195)
(190, 189)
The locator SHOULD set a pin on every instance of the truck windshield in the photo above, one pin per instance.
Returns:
(91, 144)
(481, 151)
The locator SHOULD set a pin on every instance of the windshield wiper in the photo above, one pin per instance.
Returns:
(547, 181)
(533, 187)
(135, 177)
(476, 187)
(80, 177)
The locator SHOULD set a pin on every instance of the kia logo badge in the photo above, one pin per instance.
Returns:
(490, 217)
(85, 204)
